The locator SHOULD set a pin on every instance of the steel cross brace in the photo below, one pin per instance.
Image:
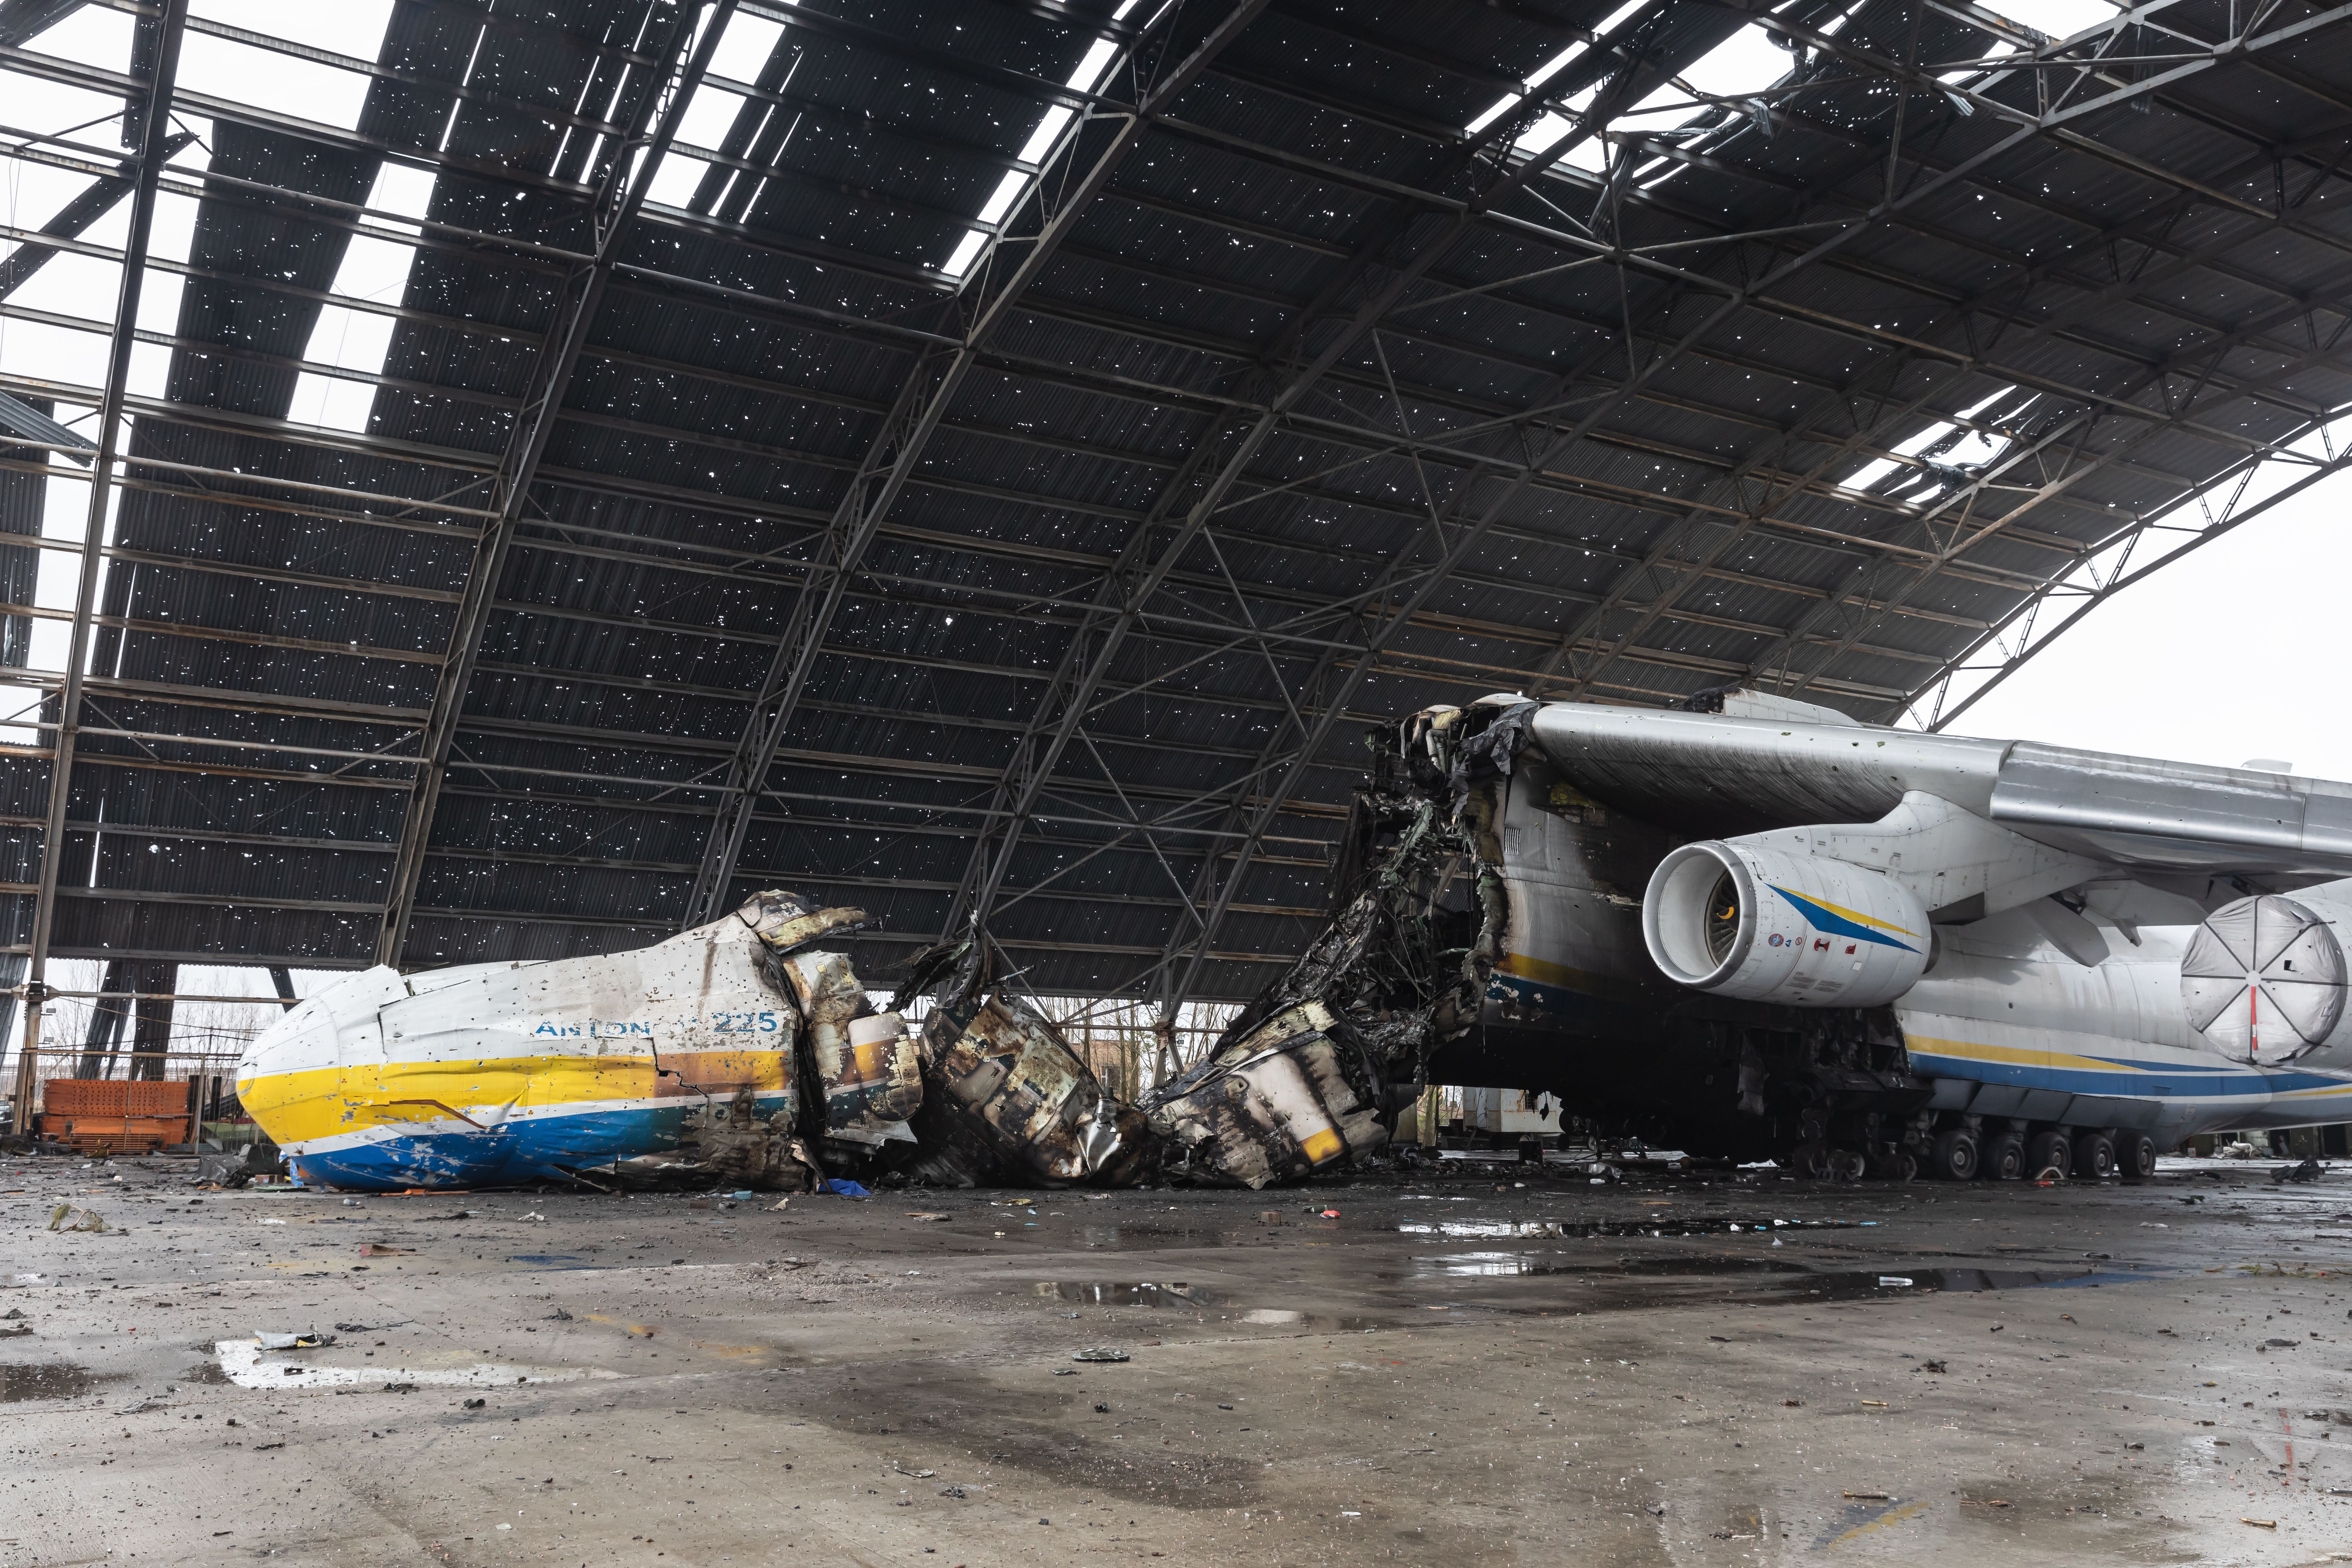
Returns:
(2100, 595)
(154, 138)
(1690, 573)
(898, 447)
(1278, 796)
(1893, 601)
(621, 193)
(1140, 572)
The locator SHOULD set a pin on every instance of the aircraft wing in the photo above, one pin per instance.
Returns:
(1706, 774)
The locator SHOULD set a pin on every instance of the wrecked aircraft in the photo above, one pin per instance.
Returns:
(1760, 929)
(747, 1053)
(1755, 929)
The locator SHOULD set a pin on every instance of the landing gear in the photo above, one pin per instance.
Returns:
(2095, 1155)
(2049, 1152)
(1953, 1157)
(1810, 1162)
(1846, 1165)
(2136, 1156)
(2003, 1158)
(1894, 1163)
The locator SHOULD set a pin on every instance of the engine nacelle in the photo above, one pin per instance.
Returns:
(1765, 925)
(2264, 981)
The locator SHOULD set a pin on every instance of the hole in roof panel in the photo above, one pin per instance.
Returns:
(1534, 81)
(1088, 75)
(374, 269)
(741, 54)
(290, 84)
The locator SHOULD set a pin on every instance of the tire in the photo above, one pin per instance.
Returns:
(2095, 1156)
(2003, 1159)
(1954, 1156)
(1895, 1164)
(1847, 1165)
(1810, 1162)
(2136, 1156)
(2049, 1151)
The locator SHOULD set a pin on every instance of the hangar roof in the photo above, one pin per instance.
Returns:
(578, 462)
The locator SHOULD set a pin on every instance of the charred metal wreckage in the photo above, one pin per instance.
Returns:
(746, 1053)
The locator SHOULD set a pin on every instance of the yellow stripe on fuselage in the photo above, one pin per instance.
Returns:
(322, 1103)
(1567, 976)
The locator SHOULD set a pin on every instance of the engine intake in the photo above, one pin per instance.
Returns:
(2263, 981)
(1765, 925)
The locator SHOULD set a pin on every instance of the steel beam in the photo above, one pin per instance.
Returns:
(1744, 296)
(1144, 570)
(653, 125)
(890, 461)
(154, 137)
(2100, 592)
(2152, 421)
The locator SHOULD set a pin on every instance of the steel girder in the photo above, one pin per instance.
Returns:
(654, 122)
(2028, 126)
(929, 389)
(154, 140)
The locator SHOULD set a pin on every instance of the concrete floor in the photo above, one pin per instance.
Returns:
(1451, 1369)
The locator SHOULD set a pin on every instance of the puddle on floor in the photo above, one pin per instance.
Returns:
(52, 1380)
(1695, 1226)
(1111, 1294)
(243, 1362)
(1664, 1281)
(1514, 1263)
(1104, 1293)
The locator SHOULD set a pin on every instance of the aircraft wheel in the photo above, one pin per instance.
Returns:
(2136, 1156)
(2003, 1159)
(1894, 1163)
(2049, 1151)
(1954, 1156)
(1847, 1165)
(1810, 1162)
(2095, 1155)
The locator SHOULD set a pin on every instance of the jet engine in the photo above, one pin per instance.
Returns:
(1767, 925)
(2263, 980)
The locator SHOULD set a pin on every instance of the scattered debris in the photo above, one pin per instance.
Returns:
(1869, 1497)
(309, 1341)
(2259, 1523)
(1931, 1366)
(73, 1216)
(919, 1214)
(2306, 1172)
(383, 1249)
(952, 1491)
(1099, 1353)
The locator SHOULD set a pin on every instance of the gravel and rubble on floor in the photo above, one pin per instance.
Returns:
(1466, 1364)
